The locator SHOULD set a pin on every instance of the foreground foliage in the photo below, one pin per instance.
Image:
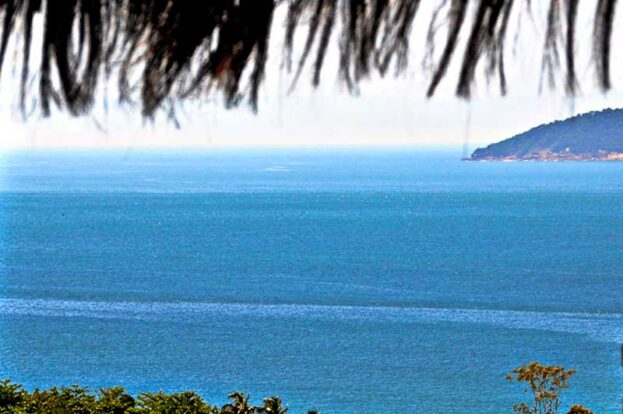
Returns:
(159, 52)
(544, 383)
(78, 400)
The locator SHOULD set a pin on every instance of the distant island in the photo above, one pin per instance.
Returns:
(593, 136)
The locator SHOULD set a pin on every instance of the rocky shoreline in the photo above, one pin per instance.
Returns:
(547, 155)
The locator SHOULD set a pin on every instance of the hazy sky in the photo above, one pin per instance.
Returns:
(391, 111)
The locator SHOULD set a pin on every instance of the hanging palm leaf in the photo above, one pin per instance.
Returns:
(163, 51)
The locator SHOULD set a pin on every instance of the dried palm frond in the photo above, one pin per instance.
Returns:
(161, 51)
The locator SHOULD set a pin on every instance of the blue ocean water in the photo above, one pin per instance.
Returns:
(346, 280)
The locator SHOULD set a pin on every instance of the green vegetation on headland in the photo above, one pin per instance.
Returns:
(543, 383)
(589, 136)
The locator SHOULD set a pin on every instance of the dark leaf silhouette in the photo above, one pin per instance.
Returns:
(160, 52)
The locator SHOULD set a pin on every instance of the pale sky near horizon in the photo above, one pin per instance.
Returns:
(391, 111)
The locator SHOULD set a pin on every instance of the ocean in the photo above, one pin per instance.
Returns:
(347, 280)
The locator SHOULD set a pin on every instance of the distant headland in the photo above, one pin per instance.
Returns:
(592, 136)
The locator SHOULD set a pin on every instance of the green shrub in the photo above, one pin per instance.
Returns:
(179, 403)
(78, 400)
(12, 397)
(63, 400)
(114, 401)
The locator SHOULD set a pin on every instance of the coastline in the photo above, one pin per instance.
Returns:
(549, 156)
